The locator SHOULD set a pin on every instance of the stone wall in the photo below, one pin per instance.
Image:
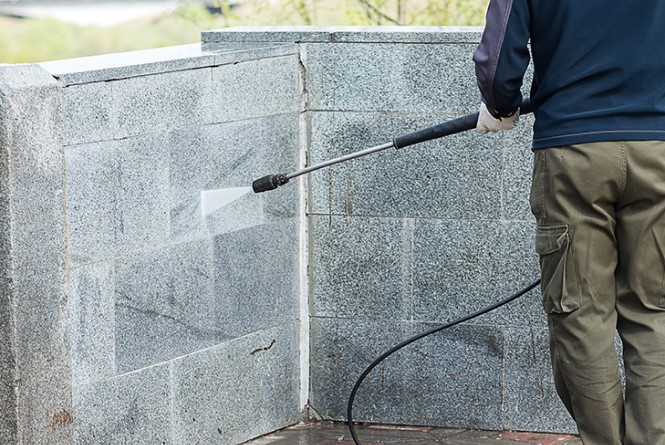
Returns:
(403, 240)
(127, 317)
(131, 319)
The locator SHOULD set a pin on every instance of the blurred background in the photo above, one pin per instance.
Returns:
(41, 30)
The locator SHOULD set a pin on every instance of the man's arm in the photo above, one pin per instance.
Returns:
(503, 56)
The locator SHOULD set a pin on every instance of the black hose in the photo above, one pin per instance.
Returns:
(388, 353)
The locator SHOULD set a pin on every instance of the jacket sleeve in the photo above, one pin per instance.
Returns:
(502, 56)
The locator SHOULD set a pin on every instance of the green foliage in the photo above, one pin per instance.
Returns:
(36, 40)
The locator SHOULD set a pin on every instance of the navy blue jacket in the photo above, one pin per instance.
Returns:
(599, 67)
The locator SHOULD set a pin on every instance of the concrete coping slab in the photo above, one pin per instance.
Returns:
(345, 34)
(155, 61)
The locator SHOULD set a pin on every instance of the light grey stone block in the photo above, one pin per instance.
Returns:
(391, 77)
(458, 176)
(88, 113)
(33, 165)
(346, 34)
(164, 307)
(161, 60)
(8, 421)
(446, 83)
(232, 155)
(318, 60)
(92, 184)
(90, 300)
(362, 267)
(161, 102)
(133, 408)
(367, 78)
(117, 197)
(274, 88)
(530, 399)
(237, 390)
(256, 277)
(452, 378)
(142, 218)
(462, 266)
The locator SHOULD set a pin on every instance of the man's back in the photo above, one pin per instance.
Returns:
(599, 67)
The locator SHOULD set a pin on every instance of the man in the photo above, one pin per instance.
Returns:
(598, 195)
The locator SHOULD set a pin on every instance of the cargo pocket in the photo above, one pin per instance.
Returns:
(559, 280)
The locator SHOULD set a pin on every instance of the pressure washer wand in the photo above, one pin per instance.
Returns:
(458, 125)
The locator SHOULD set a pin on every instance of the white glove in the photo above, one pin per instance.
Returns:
(488, 123)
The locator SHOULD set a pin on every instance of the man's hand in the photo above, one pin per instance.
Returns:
(488, 123)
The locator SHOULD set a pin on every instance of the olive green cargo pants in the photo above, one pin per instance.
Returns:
(600, 211)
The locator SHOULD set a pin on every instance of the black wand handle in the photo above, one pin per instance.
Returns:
(447, 128)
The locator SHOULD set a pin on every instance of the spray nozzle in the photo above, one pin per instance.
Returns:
(270, 182)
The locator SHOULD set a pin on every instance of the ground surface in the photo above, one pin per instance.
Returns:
(326, 433)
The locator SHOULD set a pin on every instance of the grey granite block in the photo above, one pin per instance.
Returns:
(445, 84)
(117, 197)
(142, 198)
(361, 267)
(8, 421)
(164, 307)
(256, 277)
(458, 176)
(530, 399)
(345, 34)
(463, 266)
(90, 301)
(226, 156)
(162, 101)
(88, 113)
(452, 378)
(386, 77)
(33, 165)
(237, 390)
(130, 409)
(318, 61)
(367, 78)
(92, 182)
(129, 64)
(256, 88)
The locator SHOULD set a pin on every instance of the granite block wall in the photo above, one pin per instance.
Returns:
(129, 317)
(403, 240)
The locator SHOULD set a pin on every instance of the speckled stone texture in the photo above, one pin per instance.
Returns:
(35, 393)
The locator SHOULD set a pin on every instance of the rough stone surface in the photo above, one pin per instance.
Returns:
(90, 300)
(256, 273)
(32, 171)
(531, 403)
(274, 89)
(162, 60)
(345, 34)
(118, 197)
(133, 408)
(384, 77)
(452, 378)
(237, 390)
(454, 177)
(164, 307)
